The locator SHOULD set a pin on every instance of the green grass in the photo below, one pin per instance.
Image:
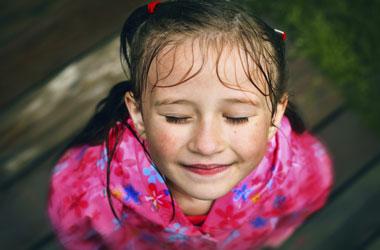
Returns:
(341, 38)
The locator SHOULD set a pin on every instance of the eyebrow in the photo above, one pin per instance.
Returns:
(170, 101)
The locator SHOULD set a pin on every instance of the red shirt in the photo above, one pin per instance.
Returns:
(196, 220)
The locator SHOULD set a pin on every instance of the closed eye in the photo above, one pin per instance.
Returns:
(178, 120)
(237, 120)
(183, 120)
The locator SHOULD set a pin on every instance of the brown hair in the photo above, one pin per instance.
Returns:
(216, 23)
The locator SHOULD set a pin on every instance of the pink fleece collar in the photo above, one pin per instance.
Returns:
(139, 186)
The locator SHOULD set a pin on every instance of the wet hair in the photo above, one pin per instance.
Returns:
(214, 24)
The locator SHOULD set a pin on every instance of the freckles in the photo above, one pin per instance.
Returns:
(253, 140)
(165, 142)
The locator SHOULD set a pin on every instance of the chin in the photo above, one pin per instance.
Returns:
(208, 192)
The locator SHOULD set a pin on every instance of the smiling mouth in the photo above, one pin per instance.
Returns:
(206, 166)
(202, 169)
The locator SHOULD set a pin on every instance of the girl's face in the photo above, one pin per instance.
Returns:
(201, 121)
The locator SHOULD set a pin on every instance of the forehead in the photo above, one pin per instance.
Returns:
(192, 61)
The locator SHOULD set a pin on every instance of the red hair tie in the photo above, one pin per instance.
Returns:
(151, 6)
(283, 34)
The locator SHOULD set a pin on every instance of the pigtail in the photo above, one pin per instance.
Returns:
(295, 119)
(291, 112)
(108, 111)
(112, 108)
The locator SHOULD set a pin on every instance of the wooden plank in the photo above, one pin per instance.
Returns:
(41, 37)
(49, 115)
(52, 245)
(351, 145)
(375, 245)
(311, 90)
(23, 209)
(48, 242)
(359, 226)
(346, 221)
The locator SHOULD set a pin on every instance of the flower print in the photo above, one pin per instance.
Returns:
(259, 222)
(124, 216)
(96, 215)
(178, 233)
(73, 229)
(132, 194)
(279, 174)
(206, 244)
(59, 167)
(273, 221)
(318, 150)
(152, 174)
(119, 154)
(87, 159)
(76, 202)
(81, 153)
(92, 235)
(295, 215)
(158, 198)
(228, 217)
(117, 223)
(104, 192)
(232, 236)
(80, 184)
(118, 171)
(130, 163)
(270, 184)
(255, 198)
(65, 178)
(279, 201)
(148, 238)
(101, 163)
(272, 168)
(242, 193)
(118, 191)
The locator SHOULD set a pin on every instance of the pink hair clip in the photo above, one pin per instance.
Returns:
(283, 34)
(152, 6)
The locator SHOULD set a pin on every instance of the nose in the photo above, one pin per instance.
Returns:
(207, 138)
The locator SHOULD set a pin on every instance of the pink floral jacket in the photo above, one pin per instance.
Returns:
(292, 181)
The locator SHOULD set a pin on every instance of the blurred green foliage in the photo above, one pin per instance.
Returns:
(341, 38)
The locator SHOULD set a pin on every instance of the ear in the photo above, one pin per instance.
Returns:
(280, 111)
(136, 113)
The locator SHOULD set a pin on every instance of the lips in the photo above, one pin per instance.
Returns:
(207, 166)
(209, 169)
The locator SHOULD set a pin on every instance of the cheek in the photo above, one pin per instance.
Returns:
(252, 142)
(163, 143)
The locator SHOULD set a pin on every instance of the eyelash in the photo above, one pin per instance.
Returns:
(182, 120)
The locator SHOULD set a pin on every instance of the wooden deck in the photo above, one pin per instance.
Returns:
(80, 63)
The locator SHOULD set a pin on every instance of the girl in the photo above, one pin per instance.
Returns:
(200, 149)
